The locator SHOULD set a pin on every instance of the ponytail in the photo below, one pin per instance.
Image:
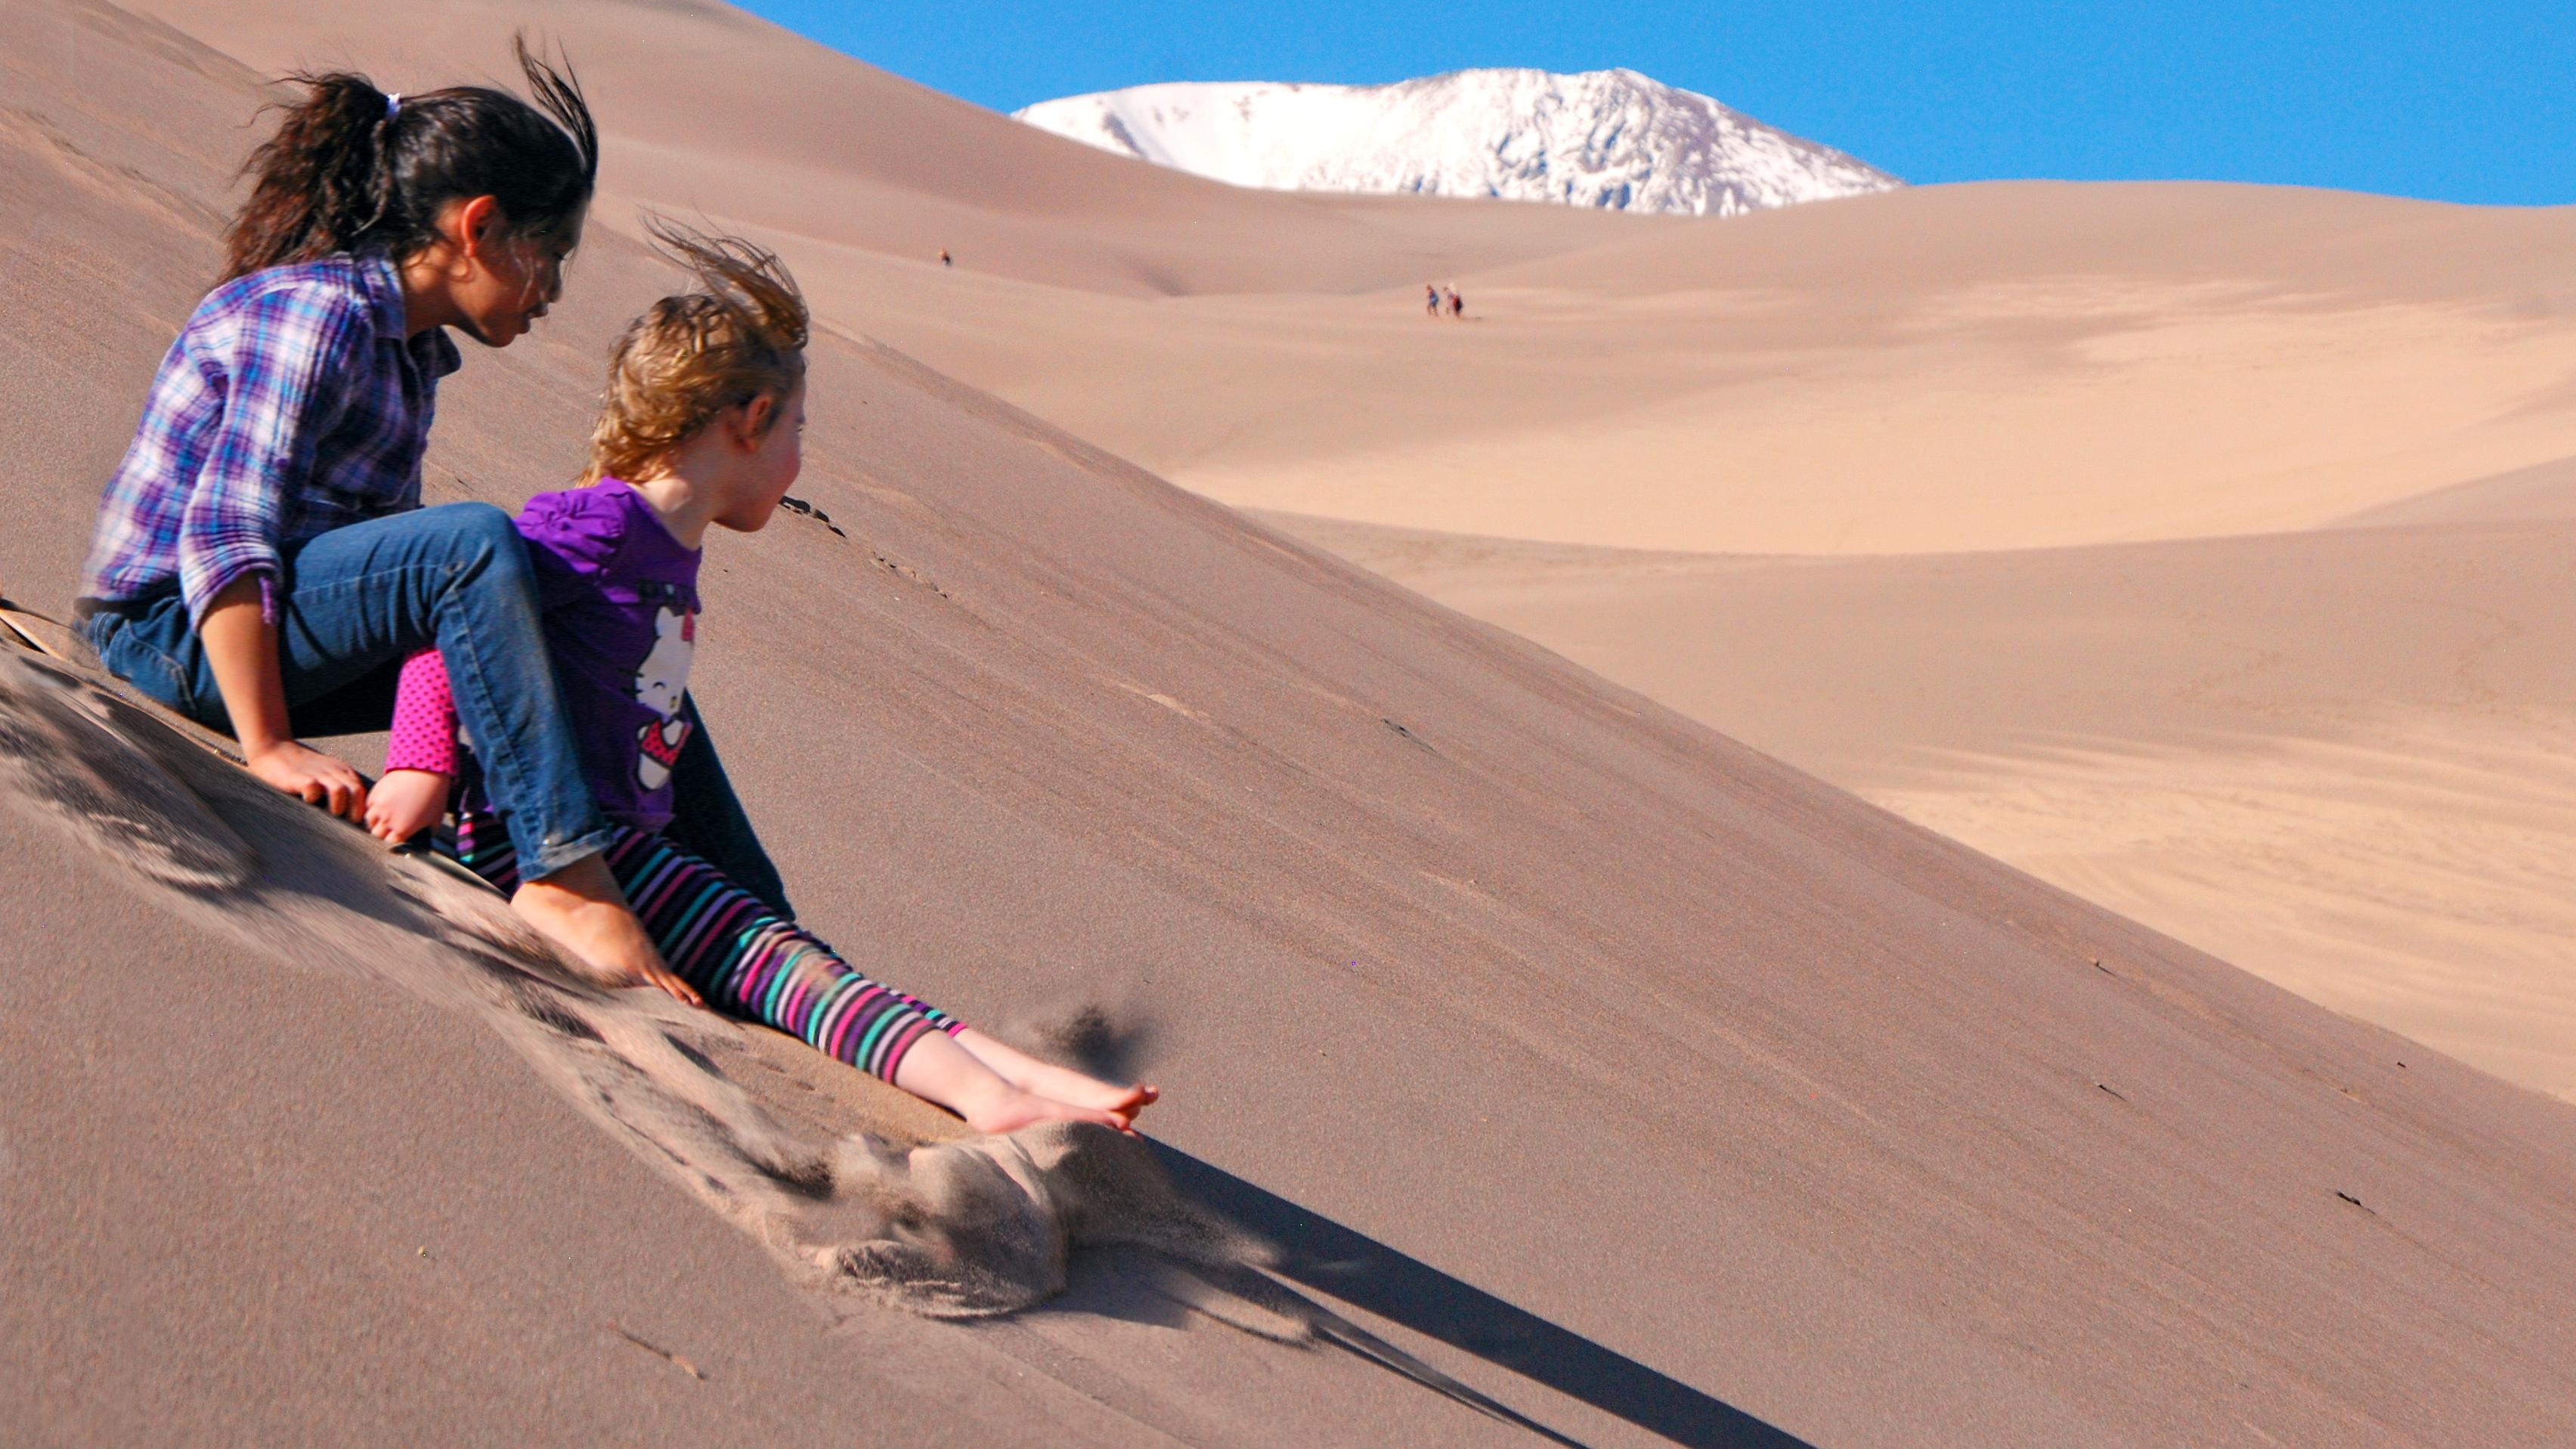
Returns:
(351, 169)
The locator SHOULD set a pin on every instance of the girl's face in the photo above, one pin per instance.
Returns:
(506, 281)
(769, 461)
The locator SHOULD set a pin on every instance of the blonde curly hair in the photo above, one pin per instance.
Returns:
(740, 336)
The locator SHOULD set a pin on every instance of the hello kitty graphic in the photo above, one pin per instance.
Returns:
(659, 683)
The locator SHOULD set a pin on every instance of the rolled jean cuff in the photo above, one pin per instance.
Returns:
(552, 858)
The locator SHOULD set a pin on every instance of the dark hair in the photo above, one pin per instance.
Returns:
(349, 171)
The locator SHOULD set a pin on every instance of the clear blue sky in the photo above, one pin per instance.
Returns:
(2469, 101)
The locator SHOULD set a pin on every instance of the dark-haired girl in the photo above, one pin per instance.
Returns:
(262, 563)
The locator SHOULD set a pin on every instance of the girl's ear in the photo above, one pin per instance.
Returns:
(757, 415)
(479, 226)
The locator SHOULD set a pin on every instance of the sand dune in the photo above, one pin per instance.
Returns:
(1808, 383)
(2541, 491)
(1957, 370)
(1963, 370)
(1631, 1077)
(2337, 758)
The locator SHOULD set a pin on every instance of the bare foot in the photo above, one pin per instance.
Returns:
(405, 803)
(947, 1070)
(1011, 1109)
(581, 909)
(1061, 1084)
(1066, 1085)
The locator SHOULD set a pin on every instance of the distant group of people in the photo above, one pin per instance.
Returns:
(1436, 299)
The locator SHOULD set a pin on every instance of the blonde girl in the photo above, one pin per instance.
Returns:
(700, 426)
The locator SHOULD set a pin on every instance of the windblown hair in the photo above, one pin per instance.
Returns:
(348, 171)
(739, 336)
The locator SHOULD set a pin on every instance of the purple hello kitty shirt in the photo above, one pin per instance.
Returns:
(620, 596)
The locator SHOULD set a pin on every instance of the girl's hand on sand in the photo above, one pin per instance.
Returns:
(312, 775)
(405, 803)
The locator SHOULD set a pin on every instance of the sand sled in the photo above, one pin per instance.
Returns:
(42, 634)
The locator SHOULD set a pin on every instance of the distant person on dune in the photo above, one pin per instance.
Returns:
(944, 259)
(262, 563)
(700, 425)
(1457, 305)
(1430, 300)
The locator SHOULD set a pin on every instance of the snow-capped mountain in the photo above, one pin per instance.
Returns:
(1606, 138)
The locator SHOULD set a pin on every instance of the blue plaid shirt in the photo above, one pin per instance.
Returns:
(291, 405)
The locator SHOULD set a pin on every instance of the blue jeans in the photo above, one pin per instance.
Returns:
(357, 601)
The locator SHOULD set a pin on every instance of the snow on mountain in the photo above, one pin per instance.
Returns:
(1605, 138)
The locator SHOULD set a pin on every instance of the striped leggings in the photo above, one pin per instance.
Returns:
(743, 957)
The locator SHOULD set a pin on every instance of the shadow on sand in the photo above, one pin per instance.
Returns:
(1323, 1255)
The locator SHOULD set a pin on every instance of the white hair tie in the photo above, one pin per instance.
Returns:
(393, 105)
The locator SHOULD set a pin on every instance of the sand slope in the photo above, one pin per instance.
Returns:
(1636, 1079)
(2339, 757)
(2372, 818)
